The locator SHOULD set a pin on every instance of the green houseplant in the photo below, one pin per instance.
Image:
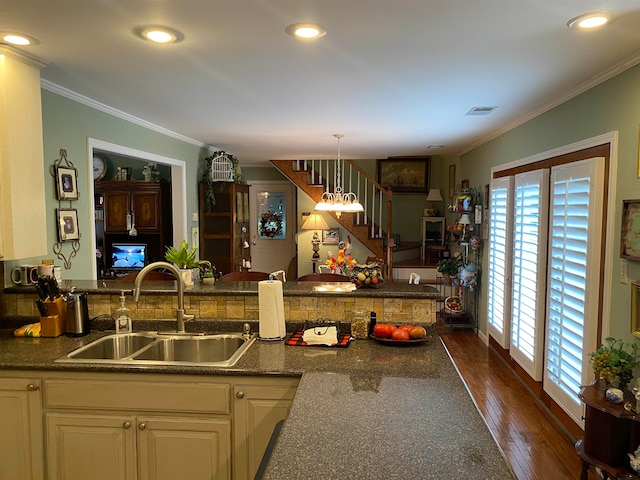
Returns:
(614, 361)
(449, 267)
(184, 258)
(207, 272)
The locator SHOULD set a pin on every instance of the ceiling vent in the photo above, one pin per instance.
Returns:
(481, 110)
(435, 146)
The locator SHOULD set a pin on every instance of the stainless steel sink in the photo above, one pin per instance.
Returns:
(220, 348)
(152, 348)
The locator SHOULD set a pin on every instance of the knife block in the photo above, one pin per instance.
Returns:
(54, 324)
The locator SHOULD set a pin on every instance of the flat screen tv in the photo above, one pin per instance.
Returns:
(128, 256)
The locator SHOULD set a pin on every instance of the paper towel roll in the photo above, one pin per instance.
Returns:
(271, 310)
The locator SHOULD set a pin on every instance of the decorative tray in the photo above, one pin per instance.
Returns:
(400, 343)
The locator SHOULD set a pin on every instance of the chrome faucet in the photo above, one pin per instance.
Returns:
(180, 315)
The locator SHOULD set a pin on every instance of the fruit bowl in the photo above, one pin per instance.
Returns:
(367, 276)
(400, 343)
(453, 305)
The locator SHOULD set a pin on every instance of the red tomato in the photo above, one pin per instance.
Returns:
(399, 334)
(382, 330)
(405, 327)
(417, 332)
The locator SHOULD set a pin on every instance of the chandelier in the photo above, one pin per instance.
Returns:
(339, 201)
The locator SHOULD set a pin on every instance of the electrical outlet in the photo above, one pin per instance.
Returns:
(623, 272)
(194, 217)
(195, 237)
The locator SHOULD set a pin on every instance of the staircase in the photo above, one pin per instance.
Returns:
(371, 227)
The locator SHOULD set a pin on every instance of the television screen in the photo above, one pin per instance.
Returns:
(128, 256)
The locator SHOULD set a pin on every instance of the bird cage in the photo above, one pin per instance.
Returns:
(221, 168)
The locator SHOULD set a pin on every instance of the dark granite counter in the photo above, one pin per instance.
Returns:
(289, 289)
(367, 411)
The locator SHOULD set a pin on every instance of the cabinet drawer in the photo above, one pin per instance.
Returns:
(147, 396)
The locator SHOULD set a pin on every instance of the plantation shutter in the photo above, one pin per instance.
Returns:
(499, 255)
(575, 237)
(531, 193)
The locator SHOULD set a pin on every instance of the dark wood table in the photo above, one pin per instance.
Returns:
(610, 433)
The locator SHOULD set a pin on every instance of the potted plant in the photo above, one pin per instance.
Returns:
(449, 267)
(184, 258)
(207, 272)
(614, 362)
(150, 172)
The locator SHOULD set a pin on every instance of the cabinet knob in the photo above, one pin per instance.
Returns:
(142, 426)
(33, 388)
(240, 394)
(126, 425)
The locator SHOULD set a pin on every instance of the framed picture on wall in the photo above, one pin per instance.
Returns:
(630, 230)
(67, 224)
(404, 174)
(67, 183)
(452, 180)
(331, 236)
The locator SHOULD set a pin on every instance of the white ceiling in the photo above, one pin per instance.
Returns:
(394, 76)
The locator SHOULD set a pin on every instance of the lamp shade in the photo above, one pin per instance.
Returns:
(314, 222)
(434, 195)
(465, 219)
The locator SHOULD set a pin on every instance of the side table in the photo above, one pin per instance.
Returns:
(610, 433)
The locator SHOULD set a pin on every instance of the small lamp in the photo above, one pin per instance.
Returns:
(315, 222)
(434, 196)
(465, 221)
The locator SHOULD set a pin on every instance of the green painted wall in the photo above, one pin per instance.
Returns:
(612, 106)
(67, 124)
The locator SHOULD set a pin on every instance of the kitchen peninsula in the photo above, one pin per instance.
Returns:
(238, 301)
(366, 411)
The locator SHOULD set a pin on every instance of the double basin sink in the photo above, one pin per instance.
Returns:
(153, 348)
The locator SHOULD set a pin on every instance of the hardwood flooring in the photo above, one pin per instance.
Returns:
(533, 443)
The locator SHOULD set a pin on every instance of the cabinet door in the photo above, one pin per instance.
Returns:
(21, 450)
(193, 448)
(117, 204)
(96, 447)
(257, 410)
(146, 206)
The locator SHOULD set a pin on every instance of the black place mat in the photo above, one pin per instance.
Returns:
(295, 340)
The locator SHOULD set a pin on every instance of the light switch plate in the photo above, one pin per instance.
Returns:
(194, 217)
(623, 272)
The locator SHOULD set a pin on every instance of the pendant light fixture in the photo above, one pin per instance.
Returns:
(337, 201)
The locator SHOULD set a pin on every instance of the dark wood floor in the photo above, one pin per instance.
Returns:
(534, 445)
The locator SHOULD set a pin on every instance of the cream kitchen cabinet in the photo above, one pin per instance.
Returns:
(258, 406)
(23, 231)
(21, 449)
(128, 447)
(139, 426)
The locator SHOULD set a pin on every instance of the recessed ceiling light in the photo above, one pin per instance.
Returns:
(18, 39)
(591, 20)
(305, 31)
(158, 34)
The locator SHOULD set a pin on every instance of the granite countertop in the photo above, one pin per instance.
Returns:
(289, 289)
(367, 411)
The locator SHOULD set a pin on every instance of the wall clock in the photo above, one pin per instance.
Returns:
(99, 168)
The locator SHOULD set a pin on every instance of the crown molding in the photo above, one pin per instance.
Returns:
(583, 87)
(21, 56)
(89, 102)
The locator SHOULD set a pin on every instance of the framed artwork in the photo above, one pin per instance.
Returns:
(452, 180)
(67, 224)
(404, 174)
(67, 183)
(635, 309)
(630, 230)
(331, 236)
(127, 173)
(239, 208)
(464, 184)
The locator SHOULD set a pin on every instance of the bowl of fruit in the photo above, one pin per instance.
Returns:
(367, 276)
(399, 335)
